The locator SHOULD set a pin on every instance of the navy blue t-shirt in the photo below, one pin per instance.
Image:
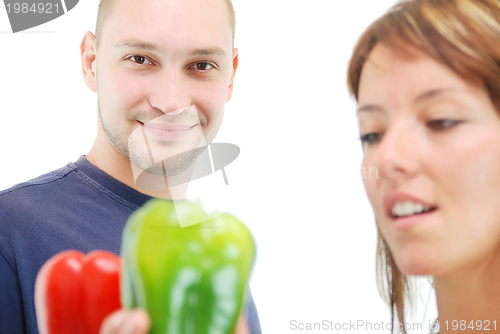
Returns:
(75, 207)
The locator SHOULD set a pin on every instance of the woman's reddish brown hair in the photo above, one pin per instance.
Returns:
(464, 35)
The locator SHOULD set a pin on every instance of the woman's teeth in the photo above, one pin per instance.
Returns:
(408, 209)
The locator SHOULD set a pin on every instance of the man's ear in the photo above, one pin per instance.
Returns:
(236, 61)
(88, 54)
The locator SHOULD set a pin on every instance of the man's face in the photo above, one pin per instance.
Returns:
(164, 74)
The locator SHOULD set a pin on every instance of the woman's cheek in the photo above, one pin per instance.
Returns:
(370, 175)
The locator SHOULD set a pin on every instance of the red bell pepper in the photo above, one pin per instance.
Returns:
(74, 292)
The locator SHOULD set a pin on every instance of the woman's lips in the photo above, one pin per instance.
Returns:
(394, 197)
(405, 223)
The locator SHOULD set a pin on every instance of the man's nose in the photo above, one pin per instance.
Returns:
(397, 156)
(170, 91)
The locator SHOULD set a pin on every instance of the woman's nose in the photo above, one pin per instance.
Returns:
(397, 155)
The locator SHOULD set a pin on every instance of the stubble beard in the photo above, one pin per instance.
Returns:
(165, 165)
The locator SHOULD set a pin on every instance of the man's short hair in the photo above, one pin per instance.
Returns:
(105, 7)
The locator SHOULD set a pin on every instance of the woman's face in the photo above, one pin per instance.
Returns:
(431, 145)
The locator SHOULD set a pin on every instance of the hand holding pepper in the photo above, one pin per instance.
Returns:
(137, 322)
(189, 279)
(174, 279)
(74, 292)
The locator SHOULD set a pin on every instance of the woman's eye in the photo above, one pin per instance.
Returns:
(371, 138)
(442, 124)
(203, 66)
(141, 60)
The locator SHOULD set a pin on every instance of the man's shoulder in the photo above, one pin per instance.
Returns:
(26, 203)
(35, 184)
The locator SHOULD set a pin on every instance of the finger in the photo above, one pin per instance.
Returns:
(123, 321)
(242, 325)
(113, 322)
(137, 322)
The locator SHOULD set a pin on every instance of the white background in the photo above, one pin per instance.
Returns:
(297, 182)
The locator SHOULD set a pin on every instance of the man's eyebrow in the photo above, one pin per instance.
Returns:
(137, 45)
(213, 51)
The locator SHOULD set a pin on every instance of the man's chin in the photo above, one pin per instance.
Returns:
(161, 175)
(164, 166)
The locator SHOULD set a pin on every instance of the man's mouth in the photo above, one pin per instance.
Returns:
(169, 126)
(168, 131)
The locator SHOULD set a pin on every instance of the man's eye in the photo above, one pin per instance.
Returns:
(371, 138)
(141, 60)
(203, 66)
(442, 124)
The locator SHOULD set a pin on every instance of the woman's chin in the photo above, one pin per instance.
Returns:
(417, 264)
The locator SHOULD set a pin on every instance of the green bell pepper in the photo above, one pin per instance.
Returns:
(190, 280)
